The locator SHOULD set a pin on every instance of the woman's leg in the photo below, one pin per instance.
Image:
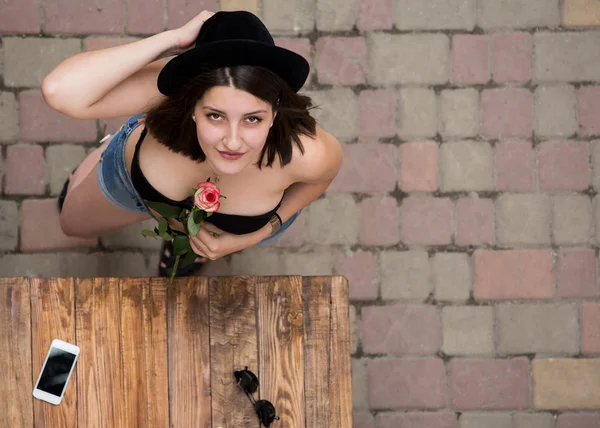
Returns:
(86, 212)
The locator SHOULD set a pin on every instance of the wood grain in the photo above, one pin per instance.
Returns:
(157, 357)
(154, 357)
(233, 345)
(340, 379)
(317, 323)
(16, 387)
(52, 317)
(100, 393)
(189, 352)
(144, 354)
(281, 347)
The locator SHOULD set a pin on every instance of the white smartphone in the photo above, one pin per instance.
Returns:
(56, 372)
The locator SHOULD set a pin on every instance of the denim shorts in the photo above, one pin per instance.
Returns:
(115, 182)
(114, 179)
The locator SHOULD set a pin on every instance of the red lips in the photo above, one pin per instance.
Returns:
(232, 153)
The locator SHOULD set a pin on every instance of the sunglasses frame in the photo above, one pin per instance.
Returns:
(264, 409)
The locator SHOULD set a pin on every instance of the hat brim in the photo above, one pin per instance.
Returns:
(290, 66)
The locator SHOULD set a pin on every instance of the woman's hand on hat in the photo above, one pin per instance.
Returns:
(187, 34)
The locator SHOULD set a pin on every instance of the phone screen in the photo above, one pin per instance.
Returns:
(56, 372)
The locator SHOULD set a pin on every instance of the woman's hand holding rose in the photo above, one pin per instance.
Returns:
(212, 242)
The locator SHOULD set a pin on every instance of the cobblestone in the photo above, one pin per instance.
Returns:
(466, 165)
(518, 13)
(513, 274)
(405, 275)
(537, 328)
(468, 330)
(452, 276)
(459, 113)
(429, 53)
(566, 56)
(417, 116)
(435, 15)
(555, 111)
(9, 225)
(298, 17)
(563, 383)
(9, 117)
(29, 60)
(323, 228)
(337, 111)
(578, 13)
(524, 219)
(336, 15)
(483, 384)
(572, 220)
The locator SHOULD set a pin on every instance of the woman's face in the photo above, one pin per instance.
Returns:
(232, 120)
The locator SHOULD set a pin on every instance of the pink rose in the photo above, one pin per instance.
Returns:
(207, 197)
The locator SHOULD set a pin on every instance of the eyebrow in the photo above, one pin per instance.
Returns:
(222, 112)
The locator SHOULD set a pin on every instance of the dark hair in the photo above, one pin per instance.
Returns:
(171, 123)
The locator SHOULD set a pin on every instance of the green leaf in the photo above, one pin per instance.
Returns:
(181, 244)
(190, 257)
(165, 210)
(149, 233)
(167, 236)
(221, 196)
(208, 214)
(198, 216)
(162, 226)
(193, 227)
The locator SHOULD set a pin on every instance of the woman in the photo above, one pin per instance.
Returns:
(226, 108)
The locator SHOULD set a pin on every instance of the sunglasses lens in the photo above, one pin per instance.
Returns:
(265, 411)
(263, 408)
(247, 380)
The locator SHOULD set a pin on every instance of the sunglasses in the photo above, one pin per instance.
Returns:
(248, 382)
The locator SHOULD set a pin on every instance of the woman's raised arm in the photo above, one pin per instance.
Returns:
(117, 81)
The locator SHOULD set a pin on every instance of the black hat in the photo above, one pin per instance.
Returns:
(230, 39)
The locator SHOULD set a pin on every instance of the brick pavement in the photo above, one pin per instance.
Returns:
(465, 216)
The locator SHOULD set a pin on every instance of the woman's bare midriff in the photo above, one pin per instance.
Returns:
(249, 193)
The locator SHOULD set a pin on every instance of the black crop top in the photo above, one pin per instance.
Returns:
(232, 223)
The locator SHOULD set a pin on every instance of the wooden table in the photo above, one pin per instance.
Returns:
(158, 357)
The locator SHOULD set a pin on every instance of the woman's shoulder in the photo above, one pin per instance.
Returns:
(321, 159)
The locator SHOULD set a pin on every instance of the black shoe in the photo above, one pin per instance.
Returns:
(167, 256)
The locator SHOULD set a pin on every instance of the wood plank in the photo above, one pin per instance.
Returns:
(157, 356)
(340, 380)
(100, 392)
(233, 345)
(281, 346)
(16, 405)
(317, 322)
(144, 347)
(53, 317)
(189, 352)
